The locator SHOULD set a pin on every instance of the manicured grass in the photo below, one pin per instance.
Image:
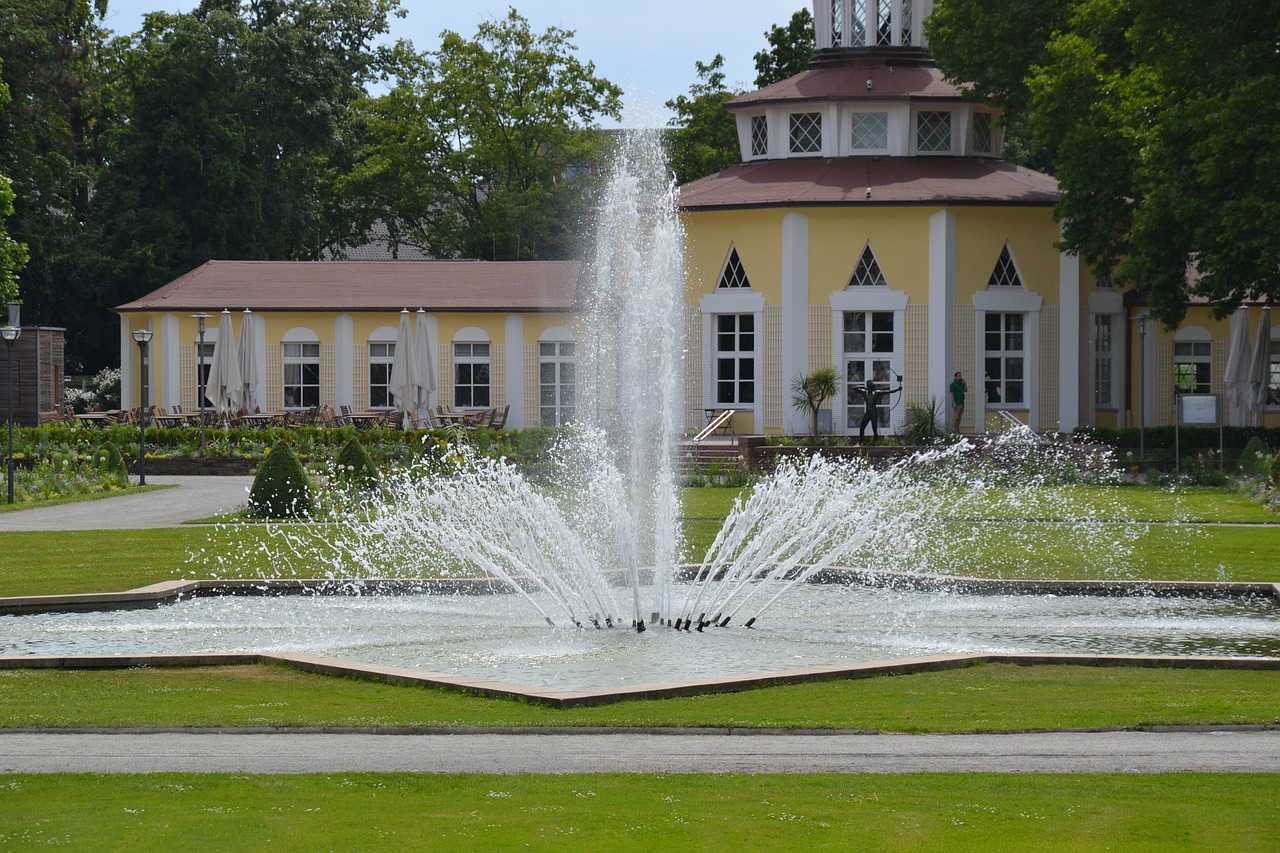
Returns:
(363, 811)
(995, 697)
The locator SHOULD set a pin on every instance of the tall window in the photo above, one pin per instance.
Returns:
(884, 22)
(557, 382)
(471, 375)
(933, 132)
(982, 138)
(1102, 359)
(868, 348)
(837, 22)
(906, 22)
(806, 133)
(870, 131)
(759, 136)
(380, 357)
(1192, 365)
(202, 370)
(859, 23)
(1004, 379)
(301, 375)
(1273, 385)
(735, 359)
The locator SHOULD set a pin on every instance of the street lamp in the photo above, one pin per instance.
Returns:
(10, 334)
(200, 318)
(143, 337)
(1142, 386)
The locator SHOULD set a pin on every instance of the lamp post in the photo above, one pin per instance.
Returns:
(143, 337)
(1142, 386)
(200, 318)
(10, 334)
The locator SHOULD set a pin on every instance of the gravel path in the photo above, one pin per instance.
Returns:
(194, 497)
(1054, 752)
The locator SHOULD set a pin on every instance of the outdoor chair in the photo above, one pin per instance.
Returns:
(498, 420)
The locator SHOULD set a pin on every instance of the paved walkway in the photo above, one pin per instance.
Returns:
(193, 497)
(1054, 752)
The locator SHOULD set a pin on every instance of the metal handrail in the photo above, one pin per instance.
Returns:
(721, 418)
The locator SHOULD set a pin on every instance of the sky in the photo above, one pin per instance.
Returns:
(648, 48)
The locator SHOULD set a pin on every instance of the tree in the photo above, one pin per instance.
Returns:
(236, 116)
(706, 137)
(809, 392)
(1163, 122)
(12, 253)
(790, 50)
(508, 118)
(50, 148)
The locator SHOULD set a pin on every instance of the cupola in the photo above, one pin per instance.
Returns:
(871, 29)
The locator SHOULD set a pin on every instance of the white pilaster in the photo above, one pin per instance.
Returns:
(167, 345)
(942, 300)
(344, 364)
(795, 315)
(1069, 336)
(515, 370)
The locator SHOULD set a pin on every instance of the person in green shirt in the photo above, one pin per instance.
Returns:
(958, 389)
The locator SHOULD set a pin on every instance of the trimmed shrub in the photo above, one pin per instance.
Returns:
(111, 464)
(280, 489)
(1255, 458)
(354, 466)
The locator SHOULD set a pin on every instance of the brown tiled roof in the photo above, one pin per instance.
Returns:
(849, 82)
(893, 180)
(369, 286)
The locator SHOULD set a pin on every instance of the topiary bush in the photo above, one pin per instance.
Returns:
(354, 467)
(280, 489)
(1255, 458)
(111, 464)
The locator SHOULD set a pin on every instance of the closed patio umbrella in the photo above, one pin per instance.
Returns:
(1236, 377)
(248, 358)
(1260, 367)
(426, 364)
(224, 388)
(404, 372)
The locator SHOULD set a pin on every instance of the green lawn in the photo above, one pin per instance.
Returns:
(995, 697)
(613, 811)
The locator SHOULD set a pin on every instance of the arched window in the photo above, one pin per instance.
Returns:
(471, 369)
(382, 351)
(301, 351)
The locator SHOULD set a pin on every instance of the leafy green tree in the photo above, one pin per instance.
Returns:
(789, 52)
(238, 114)
(1163, 123)
(515, 112)
(705, 140)
(12, 253)
(50, 148)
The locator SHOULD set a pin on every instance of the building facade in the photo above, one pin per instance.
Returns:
(872, 227)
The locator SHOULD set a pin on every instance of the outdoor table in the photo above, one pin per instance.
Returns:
(456, 417)
(262, 420)
(97, 419)
(367, 420)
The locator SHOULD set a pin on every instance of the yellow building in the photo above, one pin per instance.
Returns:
(324, 333)
(871, 228)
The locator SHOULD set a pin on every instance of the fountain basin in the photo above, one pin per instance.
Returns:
(829, 627)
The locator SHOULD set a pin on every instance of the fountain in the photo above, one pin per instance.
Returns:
(823, 563)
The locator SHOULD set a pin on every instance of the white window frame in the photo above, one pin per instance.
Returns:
(951, 133)
(712, 305)
(381, 349)
(872, 300)
(792, 118)
(301, 373)
(1193, 345)
(1010, 300)
(557, 398)
(473, 361)
(855, 116)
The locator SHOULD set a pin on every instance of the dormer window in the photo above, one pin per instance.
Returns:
(933, 132)
(982, 136)
(806, 133)
(871, 131)
(759, 136)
